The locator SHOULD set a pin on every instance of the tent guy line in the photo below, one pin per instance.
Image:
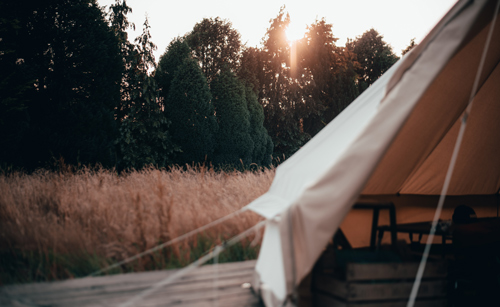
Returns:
(398, 150)
(182, 272)
(451, 167)
(163, 245)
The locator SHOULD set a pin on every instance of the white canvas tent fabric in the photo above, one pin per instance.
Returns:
(394, 139)
(297, 173)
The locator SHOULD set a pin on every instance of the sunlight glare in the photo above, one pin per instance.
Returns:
(294, 32)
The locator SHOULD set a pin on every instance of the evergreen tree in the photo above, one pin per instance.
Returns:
(251, 68)
(63, 70)
(120, 24)
(189, 108)
(177, 51)
(374, 55)
(144, 139)
(263, 147)
(234, 143)
(15, 84)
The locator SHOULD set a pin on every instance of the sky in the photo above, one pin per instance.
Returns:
(398, 21)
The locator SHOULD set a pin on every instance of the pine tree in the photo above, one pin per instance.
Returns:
(177, 51)
(191, 112)
(120, 24)
(144, 138)
(69, 86)
(234, 143)
(262, 152)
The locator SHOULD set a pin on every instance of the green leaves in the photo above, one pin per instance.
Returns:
(281, 93)
(234, 142)
(191, 112)
(374, 55)
(215, 44)
(144, 138)
(62, 74)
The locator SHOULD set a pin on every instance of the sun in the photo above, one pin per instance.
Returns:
(294, 32)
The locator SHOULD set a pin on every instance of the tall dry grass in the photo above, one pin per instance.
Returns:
(57, 225)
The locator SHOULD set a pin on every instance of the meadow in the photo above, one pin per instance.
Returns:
(69, 223)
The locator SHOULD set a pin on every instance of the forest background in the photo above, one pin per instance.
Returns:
(74, 88)
(144, 150)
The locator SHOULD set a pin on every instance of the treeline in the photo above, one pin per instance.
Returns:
(73, 87)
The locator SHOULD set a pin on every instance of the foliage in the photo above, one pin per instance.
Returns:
(374, 55)
(191, 112)
(263, 145)
(144, 139)
(234, 143)
(15, 83)
(119, 24)
(409, 47)
(280, 95)
(251, 68)
(332, 87)
(62, 72)
(74, 87)
(215, 44)
(177, 51)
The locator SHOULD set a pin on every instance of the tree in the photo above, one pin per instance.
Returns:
(69, 87)
(144, 138)
(263, 145)
(15, 84)
(281, 94)
(234, 143)
(215, 44)
(374, 55)
(177, 51)
(119, 24)
(251, 72)
(251, 68)
(189, 108)
(332, 86)
(409, 47)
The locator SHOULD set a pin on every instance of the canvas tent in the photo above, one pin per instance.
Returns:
(393, 142)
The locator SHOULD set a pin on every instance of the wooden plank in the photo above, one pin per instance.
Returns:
(353, 291)
(396, 270)
(198, 297)
(196, 288)
(322, 299)
(399, 290)
(130, 278)
(192, 281)
(330, 285)
(110, 292)
(123, 280)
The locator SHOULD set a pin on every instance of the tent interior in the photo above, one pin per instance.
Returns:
(401, 156)
(412, 171)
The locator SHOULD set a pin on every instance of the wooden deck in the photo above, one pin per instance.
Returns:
(194, 289)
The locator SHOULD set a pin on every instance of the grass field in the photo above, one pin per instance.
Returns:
(56, 225)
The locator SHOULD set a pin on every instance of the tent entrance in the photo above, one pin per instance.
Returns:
(463, 268)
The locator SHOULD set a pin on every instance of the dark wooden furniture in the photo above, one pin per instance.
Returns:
(443, 229)
(376, 207)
